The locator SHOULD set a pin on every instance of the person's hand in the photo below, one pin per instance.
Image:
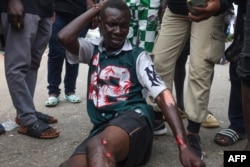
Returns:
(16, 14)
(204, 13)
(162, 8)
(190, 159)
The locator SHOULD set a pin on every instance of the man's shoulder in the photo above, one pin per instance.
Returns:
(137, 50)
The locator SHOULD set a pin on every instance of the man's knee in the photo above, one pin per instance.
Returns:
(98, 152)
(96, 145)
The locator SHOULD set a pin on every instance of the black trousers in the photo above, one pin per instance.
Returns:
(243, 68)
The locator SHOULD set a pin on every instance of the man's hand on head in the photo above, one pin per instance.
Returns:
(205, 13)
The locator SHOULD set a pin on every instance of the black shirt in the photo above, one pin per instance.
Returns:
(43, 8)
(75, 7)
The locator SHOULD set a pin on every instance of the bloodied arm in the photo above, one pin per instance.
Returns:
(164, 98)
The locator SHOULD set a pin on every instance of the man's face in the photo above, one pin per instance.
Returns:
(114, 28)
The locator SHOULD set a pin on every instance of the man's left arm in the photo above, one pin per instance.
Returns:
(151, 80)
(166, 102)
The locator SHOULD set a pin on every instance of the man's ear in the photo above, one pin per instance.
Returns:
(94, 23)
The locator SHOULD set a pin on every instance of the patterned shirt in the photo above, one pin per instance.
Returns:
(117, 80)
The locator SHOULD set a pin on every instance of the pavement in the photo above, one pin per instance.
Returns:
(18, 150)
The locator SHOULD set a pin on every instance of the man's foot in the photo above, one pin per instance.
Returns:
(39, 130)
(52, 101)
(72, 98)
(194, 142)
(48, 119)
(226, 137)
(210, 122)
(160, 128)
(159, 124)
(43, 117)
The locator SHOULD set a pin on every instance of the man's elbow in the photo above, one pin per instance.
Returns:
(62, 39)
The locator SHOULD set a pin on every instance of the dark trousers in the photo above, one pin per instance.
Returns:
(244, 58)
(235, 111)
(56, 58)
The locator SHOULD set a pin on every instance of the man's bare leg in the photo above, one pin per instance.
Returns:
(104, 149)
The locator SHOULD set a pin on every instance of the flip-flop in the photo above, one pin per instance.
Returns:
(52, 101)
(72, 98)
(226, 137)
(36, 129)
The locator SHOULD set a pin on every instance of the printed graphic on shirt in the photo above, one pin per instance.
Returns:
(109, 85)
(153, 77)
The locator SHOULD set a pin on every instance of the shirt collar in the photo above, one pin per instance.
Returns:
(99, 42)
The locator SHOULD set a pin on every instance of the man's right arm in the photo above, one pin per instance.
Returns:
(68, 36)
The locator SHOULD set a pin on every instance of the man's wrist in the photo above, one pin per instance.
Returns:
(180, 142)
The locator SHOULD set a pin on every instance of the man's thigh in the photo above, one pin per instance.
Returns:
(128, 133)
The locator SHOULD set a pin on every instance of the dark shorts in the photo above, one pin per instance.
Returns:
(136, 125)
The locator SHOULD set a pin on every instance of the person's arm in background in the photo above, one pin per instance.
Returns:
(16, 13)
(162, 8)
(213, 8)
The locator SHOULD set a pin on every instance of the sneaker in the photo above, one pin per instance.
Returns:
(159, 124)
(160, 128)
(210, 122)
(194, 142)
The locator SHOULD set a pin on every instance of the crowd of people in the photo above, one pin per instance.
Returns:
(132, 68)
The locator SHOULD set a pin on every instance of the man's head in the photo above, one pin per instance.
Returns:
(114, 24)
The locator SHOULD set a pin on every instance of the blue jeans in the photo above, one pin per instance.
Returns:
(235, 111)
(56, 59)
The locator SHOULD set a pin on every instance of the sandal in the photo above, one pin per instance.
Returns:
(52, 101)
(43, 117)
(226, 137)
(210, 121)
(72, 98)
(46, 118)
(39, 130)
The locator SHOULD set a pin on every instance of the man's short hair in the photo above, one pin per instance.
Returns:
(117, 4)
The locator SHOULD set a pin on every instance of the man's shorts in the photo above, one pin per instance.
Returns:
(141, 135)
